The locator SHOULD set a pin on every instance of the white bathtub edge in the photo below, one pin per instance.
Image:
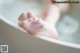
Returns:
(77, 46)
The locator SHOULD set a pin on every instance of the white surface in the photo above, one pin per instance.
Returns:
(21, 42)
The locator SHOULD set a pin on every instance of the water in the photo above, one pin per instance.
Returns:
(68, 29)
(11, 10)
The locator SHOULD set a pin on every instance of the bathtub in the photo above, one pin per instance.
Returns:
(19, 41)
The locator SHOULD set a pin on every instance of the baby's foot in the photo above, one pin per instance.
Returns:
(30, 23)
(35, 25)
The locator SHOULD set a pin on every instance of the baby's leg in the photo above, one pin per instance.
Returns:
(53, 15)
(52, 18)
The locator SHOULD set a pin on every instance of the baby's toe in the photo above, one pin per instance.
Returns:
(21, 17)
(30, 15)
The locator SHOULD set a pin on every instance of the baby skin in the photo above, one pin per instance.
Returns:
(35, 25)
(44, 26)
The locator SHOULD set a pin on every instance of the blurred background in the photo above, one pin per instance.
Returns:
(68, 25)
